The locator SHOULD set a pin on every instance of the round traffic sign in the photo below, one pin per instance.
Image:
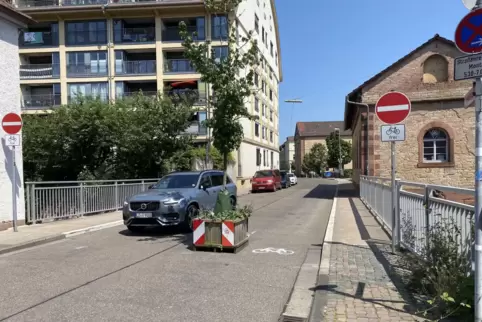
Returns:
(12, 123)
(468, 35)
(393, 108)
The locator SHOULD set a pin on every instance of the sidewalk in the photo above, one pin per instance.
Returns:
(29, 236)
(356, 257)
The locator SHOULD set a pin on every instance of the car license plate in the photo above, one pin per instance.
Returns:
(261, 188)
(144, 215)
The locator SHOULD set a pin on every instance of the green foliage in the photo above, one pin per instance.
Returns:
(214, 155)
(315, 160)
(92, 139)
(348, 173)
(334, 147)
(442, 271)
(239, 213)
(231, 78)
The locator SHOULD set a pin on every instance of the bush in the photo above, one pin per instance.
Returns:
(442, 271)
(348, 173)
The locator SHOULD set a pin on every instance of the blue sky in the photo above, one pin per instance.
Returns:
(330, 47)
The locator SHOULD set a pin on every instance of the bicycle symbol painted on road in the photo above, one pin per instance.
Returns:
(393, 130)
(279, 251)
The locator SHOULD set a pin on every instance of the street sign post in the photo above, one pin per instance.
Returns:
(393, 108)
(468, 35)
(12, 124)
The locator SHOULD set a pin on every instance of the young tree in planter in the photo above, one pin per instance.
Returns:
(231, 79)
(334, 148)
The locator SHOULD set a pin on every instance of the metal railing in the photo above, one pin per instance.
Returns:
(187, 95)
(135, 35)
(104, 97)
(39, 71)
(137, 67)
(131, 94)
(46, 201)
(91, 70)
(418, 209)
(178, 66)
(36, 39)
(171, 33)
(36, 102)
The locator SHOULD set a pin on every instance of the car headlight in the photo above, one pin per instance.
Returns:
(180, 202)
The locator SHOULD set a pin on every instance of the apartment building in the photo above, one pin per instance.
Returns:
(287, 154)
(115, 48)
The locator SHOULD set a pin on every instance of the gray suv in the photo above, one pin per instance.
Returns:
(176, 199)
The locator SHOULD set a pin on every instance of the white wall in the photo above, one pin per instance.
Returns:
(9, 102)
(248, 159)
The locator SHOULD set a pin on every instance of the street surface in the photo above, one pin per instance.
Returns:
(112, 275)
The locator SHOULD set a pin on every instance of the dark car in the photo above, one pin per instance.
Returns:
(285, 180)
(176, 199)
(266, 180)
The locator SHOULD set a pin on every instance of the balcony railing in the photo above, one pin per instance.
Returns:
(23, 4)
(178, 66)
(100, 96)
(139, 67)
(135, 35)
(134, 93)
(86, 37)
(83, 2)
(36, 102)
(187, 95)
(36, 39)
(196, 128)
(87, 70)
(172, 33)
(39, 71)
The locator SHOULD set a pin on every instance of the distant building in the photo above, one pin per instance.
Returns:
(440, 131)
(10, 23)
(308, 134)
(287, 154)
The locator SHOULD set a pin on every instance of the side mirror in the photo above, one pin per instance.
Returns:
(150, 187)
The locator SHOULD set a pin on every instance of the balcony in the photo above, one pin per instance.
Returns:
(40, 101)
(39, 71)
(196, 128)
(38, 39)
(96, 96)
(140, 67)
(170, 30)
(66, 3)
(178, 66)
(74, 71)
(135, 93)
(37, 3)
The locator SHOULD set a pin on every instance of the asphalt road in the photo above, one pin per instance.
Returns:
(112, 275)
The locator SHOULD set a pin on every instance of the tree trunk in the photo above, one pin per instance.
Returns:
(225, 168)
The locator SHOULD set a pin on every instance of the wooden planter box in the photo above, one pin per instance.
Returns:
(220, 235)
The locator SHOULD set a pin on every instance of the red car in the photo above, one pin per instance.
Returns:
(266, 180)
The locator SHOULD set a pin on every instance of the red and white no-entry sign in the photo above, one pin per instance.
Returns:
(393, 108)
(12, 123)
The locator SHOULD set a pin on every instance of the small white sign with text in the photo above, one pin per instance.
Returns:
(393, 133)
(12, 140)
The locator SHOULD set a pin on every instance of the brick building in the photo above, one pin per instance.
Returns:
(439, 146)
(308, 134)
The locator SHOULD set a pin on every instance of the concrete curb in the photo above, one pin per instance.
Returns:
(56, 237)
(299, 306)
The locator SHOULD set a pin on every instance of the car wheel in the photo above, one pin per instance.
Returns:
(233, 202)
(191, 212)
(135, 229)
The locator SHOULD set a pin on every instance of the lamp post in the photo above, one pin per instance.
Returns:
(293, 102)
(339, 151)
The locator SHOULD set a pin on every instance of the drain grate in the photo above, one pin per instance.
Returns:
(287, 318)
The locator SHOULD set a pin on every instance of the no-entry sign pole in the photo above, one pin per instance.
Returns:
(12, 124)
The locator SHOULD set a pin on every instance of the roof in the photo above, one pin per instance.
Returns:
(350, 108)
(15, 15)
(314, 129)
(290, 139)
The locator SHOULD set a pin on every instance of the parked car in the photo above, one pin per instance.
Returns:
(285, 181)
(293, 178)
(266, 180)
(176, 199)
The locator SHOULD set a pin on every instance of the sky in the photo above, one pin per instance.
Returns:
(330, 47)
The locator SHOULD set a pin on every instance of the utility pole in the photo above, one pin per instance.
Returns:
(367, 172)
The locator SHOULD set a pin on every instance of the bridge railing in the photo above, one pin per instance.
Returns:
(419, 207)
(48, 201)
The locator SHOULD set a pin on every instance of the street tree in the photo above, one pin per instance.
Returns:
(231, 76)
(336, 145)
(315, 160)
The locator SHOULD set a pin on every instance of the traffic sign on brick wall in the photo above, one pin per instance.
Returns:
(393, 108)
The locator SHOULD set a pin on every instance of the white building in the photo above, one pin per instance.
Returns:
(287, 154)
(10, 22)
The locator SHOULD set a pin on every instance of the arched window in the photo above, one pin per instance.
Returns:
(436, 146)
(435, 69)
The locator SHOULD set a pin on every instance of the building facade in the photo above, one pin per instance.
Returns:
(308, 134)
(116, 48)
(10, 22)
(287, 154)
(439, 145)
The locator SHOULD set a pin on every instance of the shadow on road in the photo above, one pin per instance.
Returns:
(160, 234)
(322, 191)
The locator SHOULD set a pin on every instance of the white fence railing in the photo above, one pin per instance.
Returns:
(417, 211)
(46, 201)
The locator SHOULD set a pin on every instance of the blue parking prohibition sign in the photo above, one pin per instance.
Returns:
(468, 35)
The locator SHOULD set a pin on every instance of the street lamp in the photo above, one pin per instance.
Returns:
(339, 152)
(292, 101)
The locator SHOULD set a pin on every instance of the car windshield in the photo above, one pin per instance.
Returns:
(177, 181)
(263, 174)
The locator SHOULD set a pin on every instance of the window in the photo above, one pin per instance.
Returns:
(256, 104)
(264, 158)
(219, 28)
(271, 48)
(217, 179)
(262, 35)
(256, 129)
(270, 95)
(276, 58)
(256, 23)
(272, 159)
(84, 64)
(263, 87)
(220, 53)
(263, 110)
(264, 133)
(435, 146)
(256, 79)
(271, 115)
(99, 90)
(266, 39)
(205, 181)
(258, 156)
(271, 136)
(86, 33)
